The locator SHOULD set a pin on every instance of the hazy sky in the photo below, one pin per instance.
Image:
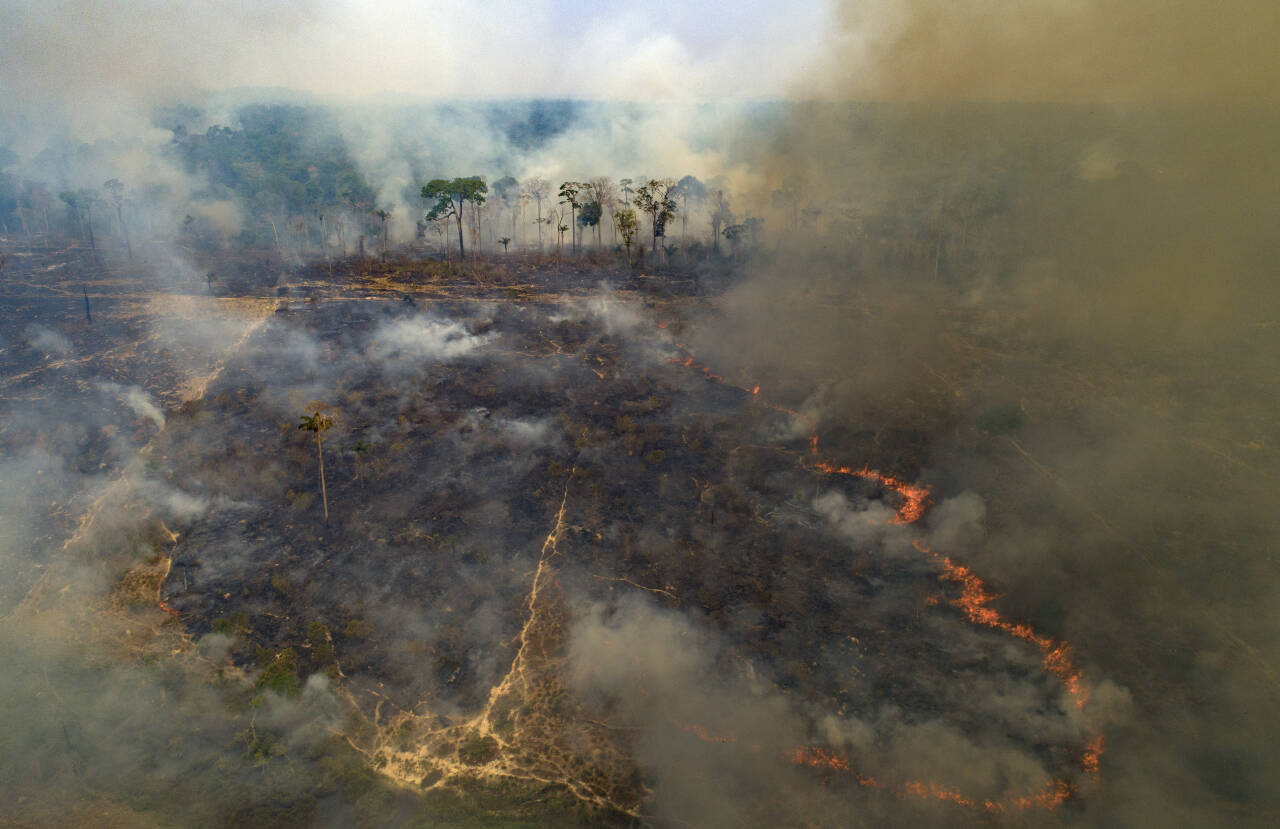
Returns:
(481, 48)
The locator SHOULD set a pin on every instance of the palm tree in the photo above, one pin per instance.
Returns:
(319, 423)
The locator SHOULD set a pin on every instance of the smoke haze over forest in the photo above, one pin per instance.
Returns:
(1016, 261)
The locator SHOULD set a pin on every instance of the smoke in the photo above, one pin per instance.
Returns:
(138, 401)
(664, 673)
(1023, 253)
(47, 341)
(424, 339)
(866, 526)
(1036, 272)
(1139, 52)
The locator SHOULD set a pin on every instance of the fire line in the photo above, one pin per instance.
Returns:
(974, 603)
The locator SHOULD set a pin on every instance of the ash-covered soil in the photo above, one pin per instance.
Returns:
(561, 555)
(460, 427)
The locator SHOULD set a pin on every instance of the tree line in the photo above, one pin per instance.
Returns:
(462, 208)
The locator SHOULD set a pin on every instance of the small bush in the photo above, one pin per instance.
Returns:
(281, 675)
(478, 750)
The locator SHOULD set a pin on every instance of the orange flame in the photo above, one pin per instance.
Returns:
(974, 601)
(915, 498)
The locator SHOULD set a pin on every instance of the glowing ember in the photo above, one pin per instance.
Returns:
(818, 758)
(1050, 797)
(702, 733)
(932, 791)
(1091, 761)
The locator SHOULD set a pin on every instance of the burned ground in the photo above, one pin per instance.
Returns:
(461, 427)
(565, 563)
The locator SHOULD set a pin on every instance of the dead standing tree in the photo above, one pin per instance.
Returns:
(382, 216)
(538, 189)
(318, 423)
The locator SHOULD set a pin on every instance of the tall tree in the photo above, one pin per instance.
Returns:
(299, 225)
(538, 189)
(654, 198)
(72, 200)
(87, 199)
(507, 189)
(569, 191)
(116, 188)
(589, 216)
(687, 188)
(524, 200)
(383, 215)
(450, 197)
(787, 197)
(721, 215)
(318, 423)
(605, 194)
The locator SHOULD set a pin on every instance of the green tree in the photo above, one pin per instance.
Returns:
(605, 194)
(654, 198)
(736, 234)
(450, 197)
(590, 215)
(625, 219)
(318, 423)
(569, 191)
